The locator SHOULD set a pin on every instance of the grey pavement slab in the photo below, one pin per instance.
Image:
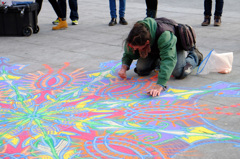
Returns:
(214, 97)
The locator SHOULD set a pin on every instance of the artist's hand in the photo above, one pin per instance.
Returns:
(225, 71)
(155, 90)
(122, 73)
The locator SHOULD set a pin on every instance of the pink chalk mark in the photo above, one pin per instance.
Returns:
(159, 112)
(119, 89)
(52, 81)
(6, 106)
(19, 149)
(123, 149)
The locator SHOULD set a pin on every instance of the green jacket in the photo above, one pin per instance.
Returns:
(167, 51)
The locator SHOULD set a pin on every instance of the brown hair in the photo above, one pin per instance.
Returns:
(138, 35)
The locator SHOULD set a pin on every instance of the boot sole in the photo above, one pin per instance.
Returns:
(124, 23)
(112, 24)
(61, 28)
(205, 24)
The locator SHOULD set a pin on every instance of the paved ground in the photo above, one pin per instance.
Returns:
(93, 42)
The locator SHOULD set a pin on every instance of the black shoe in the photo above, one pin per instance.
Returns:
(199, 55)
(151, 13)
(113, 22)
(123, 21)
(187, 69)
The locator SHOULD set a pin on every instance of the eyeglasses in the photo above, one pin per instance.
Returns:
(138, 47)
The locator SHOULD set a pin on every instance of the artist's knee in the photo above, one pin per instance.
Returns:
(141, 67)
(142, 71)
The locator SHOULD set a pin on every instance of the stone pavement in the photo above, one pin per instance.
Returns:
(93, 42)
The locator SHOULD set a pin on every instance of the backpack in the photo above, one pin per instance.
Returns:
(185, 33)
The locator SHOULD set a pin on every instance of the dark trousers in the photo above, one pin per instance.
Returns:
(73, 5)
(39, 2)
(55, 6)
(208, 7)
(151, 4)
(151, 8)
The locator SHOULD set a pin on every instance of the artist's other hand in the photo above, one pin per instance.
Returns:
(226, 71)
(122, 73)
(155, 90)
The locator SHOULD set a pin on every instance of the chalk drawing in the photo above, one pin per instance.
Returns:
(95, 114)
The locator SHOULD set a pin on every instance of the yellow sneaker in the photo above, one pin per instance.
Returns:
(75, 22)
(55, 22)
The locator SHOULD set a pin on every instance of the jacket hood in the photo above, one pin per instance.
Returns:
(151, 24)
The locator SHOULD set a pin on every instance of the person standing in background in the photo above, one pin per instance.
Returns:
(208, 12)
(112, 6)
(62, 21)
(39, 2)
(151, 8)
(73, 5)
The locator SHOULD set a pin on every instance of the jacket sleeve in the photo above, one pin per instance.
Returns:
(168, 56)
(129, 56)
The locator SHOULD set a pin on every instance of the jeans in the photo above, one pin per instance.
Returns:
(144, 66)
(112, 6)
(208, 7)
(191, 58)
(73, 5)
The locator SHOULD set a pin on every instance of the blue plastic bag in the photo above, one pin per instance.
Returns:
(215, 62)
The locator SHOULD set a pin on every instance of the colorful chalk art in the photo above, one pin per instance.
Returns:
(95, 114)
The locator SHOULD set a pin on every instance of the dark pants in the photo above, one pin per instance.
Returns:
(151, 4)
(151, 8)
(55, 6)
(39, 2)
(73, 5)
(208, 7)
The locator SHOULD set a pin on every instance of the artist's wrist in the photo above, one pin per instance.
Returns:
(124, 67)
(163, 87)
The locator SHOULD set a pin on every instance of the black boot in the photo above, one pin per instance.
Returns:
(151, 13)
(123, 21)
(113, 22)
(187, 69)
